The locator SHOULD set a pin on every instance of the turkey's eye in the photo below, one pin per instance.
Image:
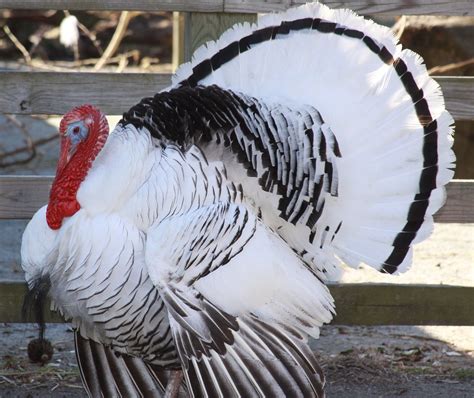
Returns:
(77, 132)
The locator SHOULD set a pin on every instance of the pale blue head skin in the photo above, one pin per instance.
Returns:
(77, 132)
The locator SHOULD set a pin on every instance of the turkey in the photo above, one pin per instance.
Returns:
(191, 246)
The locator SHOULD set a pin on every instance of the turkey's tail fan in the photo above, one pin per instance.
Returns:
(371, 174)
(105, 373)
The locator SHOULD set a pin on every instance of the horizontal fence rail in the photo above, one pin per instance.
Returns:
(21, 196)
(56, 93)
(387, 7)
(392, 304)
(52, 93)
(356, 304)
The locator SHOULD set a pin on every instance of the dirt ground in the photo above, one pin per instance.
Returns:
(358, 361)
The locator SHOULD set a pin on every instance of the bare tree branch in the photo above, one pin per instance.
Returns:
(451, 67)
(17, 43)
(92, 37)
(399, 27)
(119, 33)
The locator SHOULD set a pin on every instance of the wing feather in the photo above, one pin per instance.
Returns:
(226, 349)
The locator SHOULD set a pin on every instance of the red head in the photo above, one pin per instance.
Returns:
(83, 132)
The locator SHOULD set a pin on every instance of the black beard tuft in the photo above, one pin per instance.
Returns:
(34, 302)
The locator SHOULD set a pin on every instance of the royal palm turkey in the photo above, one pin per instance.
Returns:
(190, 247)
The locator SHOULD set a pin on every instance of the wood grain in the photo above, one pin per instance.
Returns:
(459, 95)
(56, 93)
(203, 27)
(177, 52)
(366, 7)
(356, 304)
(387, 7)
(118, 5)
(21, 196)
(391, 304)
(459, 207)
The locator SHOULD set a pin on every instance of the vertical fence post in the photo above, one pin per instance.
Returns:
(200, 27)
(178, 38)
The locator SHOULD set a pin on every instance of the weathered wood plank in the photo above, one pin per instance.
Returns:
(179, 44)
(117, 5)
(11, 302)
(391, 304)
(388, 7)
(56, 93)
(459, 207)
(356, 304)
(366, 7)
(203, 27)
(459, 95)
(21, 196)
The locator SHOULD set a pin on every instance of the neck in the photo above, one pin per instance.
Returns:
(62, 198)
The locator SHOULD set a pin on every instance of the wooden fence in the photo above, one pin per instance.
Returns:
(44, 93)
(367, 7)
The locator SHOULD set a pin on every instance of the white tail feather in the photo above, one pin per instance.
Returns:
(372, 113)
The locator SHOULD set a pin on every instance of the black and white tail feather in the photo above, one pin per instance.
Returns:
(105, 373)
(336, 147)
(344, 139)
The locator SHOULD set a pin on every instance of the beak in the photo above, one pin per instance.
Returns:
(65, 154)
(71, 150)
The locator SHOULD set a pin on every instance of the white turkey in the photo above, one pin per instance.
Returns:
(196, 238)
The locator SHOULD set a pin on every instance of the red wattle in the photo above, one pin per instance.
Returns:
(72, 172)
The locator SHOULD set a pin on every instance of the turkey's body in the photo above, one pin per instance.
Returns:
(209, 220)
